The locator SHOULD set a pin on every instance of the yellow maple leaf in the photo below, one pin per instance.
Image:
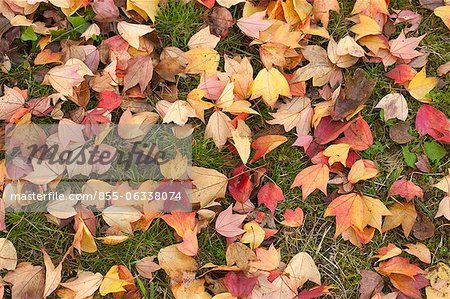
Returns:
(112, 283)
(337, 153)
(254, 235)
(420, 86)
(443, 12)
(366, 26)
(270, 84)
(145, 8)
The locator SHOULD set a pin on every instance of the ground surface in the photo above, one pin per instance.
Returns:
(338, 261)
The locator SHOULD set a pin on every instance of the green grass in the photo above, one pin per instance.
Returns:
(338, 261)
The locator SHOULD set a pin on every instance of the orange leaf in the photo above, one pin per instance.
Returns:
(312, 178)
(362, 170)
(265, 144)
(403, 214)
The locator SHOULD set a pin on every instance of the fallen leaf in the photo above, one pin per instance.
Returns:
(433, 122)
(27, 280)
(404, 48)
(175, 263)
(229, 224)
(84, 285)
(132, 32)
(403, 214)
(139, 72)
(399, 133)
(387, 252)
(439, 276)
(254, 24)
(321, 10)
(421, 85)
(202, 61)
(8, 255)
(419, 250)
(254, 235)
(312, 178)
(406, 189)
(371, 283)
(362, 170)
(209, 185)
(356, 210)
(293, 218)
(337, 153)
(401, 74)
(265, 144)
(358, 135)
(357, 91)
(366, 26)
(269, 195)
(146, 267)
(319, 69)
(63, 79)
(443, 12)
(296, 113)
(302, 268)
(424, 228)
(112, 283)
(203, 39)
(270, 85)
(394, 105)
(219, 128)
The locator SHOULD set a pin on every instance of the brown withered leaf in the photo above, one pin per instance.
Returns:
(424, 227)
(358, 89)
(220, 20)
(399, 133)
(371, 283)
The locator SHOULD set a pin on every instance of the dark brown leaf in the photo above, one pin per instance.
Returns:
(399, 133)
(424, 227)
(356, 93)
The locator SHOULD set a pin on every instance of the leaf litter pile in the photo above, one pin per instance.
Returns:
(295, 82)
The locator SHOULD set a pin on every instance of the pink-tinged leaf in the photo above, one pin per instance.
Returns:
(293, 218)
(328, 130)
(358, 135)
(303, 141)
(213, 86)
(433, 122)
(270, 194)
(240, 186)
(229, 224)
(404, 48)
(238, 284)
(401, 73)
(10, 102)
(139, 71)
(254, 24)
(406, 189)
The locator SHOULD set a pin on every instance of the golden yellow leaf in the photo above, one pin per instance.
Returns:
(420, 86)
(337, 153)
(112, 283)
(254, 234)
(270, 84)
